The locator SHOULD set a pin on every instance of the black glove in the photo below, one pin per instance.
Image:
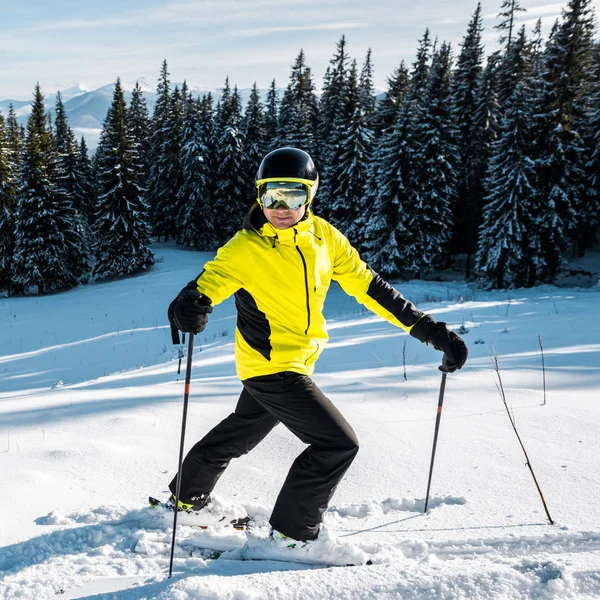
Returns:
(188, 312)
(441, 338)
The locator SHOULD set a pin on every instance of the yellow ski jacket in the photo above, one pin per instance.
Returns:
(280, 279)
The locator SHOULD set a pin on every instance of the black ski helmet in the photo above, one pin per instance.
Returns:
(288, 164)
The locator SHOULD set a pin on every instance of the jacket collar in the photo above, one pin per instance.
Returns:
(256, 221)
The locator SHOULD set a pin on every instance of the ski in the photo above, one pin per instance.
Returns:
(212, 554)
(240, 523)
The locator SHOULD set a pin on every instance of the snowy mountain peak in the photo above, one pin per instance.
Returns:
(147, 84)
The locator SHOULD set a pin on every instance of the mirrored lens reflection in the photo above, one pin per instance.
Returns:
(291, 194)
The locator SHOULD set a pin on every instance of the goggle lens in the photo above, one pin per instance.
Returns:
(290, 194)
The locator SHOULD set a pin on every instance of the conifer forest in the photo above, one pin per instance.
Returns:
(492, 155)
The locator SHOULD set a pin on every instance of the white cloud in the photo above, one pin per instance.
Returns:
(287, 28)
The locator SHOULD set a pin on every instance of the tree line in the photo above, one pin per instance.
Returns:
(495, 158)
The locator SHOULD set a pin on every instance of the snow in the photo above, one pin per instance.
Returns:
(90, 417)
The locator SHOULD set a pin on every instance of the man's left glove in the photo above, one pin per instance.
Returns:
(188, 312)
(441, 338)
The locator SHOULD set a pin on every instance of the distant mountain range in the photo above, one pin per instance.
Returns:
(86, 109)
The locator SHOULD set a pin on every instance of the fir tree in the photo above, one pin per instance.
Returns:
(15, 136)
(86, 184)
(349, 174)
(334, 89)
(559, 150)
(299, 111)
(486, 123)
(509, 249)
(508, 14)
(420, 72)
(231, 201)
(167, 206)
(387, 108)
(507, 79)
(196, 225)
(65, 182)
(224, 107)
(139, 127)
(157, 181)
(466, 99)
(332, 109)
(209, 135)
(271, 117)
(590, 217)
(434, 178)
(386, 233)
(253, 128)
(8, 195)
(366, 91)
(535, 49)
(122, 230)
(41, 251)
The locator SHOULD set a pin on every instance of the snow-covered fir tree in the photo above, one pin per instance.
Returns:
(209, 136)
(507, 26)
(139, 127)
(8, 198)
(420, 72)
(15, 135)
(536, 48)
(559, 149)
(40, 262)
(167, 206)
(231, 201)
(509, 246)
(386, 235)
(271, 117)
(158, 183)
(507, 79)
(466, 88)
(590, 218)
(349, 175)
(486, 123)
(392, 175)
(121, 227)
(65, 182)
(299, 111)
(86, 184)
(255, 147)
(387, 108)
(334, 83)
(334, 115)
(196, 227)
(434, 176)
(366, 90)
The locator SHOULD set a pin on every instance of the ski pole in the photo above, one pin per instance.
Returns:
(435, 435)
(186, 395)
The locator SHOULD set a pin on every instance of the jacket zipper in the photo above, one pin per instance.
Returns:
(305, 281)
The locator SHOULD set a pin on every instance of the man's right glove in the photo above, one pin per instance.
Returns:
(441, 338)
(188, 312)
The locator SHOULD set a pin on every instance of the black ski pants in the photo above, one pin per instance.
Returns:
(296, 401)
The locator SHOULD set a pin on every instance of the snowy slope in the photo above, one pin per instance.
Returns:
(90, 413)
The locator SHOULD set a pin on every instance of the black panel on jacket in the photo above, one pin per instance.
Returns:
(253, 324)
(393, 301)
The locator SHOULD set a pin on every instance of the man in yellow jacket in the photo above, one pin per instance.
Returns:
(279, 267)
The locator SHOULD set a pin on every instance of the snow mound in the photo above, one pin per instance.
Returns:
(373, 508)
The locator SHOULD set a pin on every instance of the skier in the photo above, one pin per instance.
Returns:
(280, 266)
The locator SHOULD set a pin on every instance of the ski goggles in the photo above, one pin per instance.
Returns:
(289, 193)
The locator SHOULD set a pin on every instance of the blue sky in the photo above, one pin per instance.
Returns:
(64, 42)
